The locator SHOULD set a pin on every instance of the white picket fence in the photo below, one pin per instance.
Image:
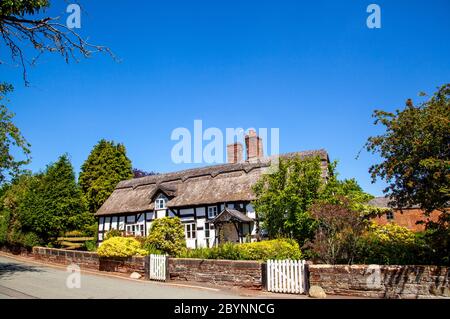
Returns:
(286, 276)
(158, 267)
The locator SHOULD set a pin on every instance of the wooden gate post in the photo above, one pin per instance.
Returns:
(167, 269)
(147, 267)
(264, 276)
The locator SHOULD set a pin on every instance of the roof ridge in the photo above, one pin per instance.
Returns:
(212, 170)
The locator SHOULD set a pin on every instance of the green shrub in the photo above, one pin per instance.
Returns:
(90, 245)
(167, 236)
(30, 240)
(121, 247)
(4, 222)
(272, 249)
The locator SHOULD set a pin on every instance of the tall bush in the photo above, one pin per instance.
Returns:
(167, 236)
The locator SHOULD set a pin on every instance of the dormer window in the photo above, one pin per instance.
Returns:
(160, 203)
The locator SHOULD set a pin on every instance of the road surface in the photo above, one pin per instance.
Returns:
(24, 279)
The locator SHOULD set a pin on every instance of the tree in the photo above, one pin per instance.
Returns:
(138, 173)
(283, 199)
(11, 141)
(24, 24)
(55, 203)
(338, 231)
(415, 148)
(166, 235)
(11, 202)
(106, 166)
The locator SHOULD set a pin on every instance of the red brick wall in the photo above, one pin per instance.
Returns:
(247, 274)
(406, 282)
(408, 218)
(89, 260)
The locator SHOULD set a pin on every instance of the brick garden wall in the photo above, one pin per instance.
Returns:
(247, 274)
(393, 282)
(89, 260)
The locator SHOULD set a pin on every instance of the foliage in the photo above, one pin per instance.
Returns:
(273, 249)
(392, 245)
(437, 237)
(22, 28)
(48, 204)
(166, 235)
(105, 167)
(56, 203)
(137, 173)
(416, 152)
(11, 140)
(21, 8)
(121, 247)
(113, 233)
(90, 245)
(338, 232)
(264, 250)
(284, 197)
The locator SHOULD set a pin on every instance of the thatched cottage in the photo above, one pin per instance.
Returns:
(214, 203)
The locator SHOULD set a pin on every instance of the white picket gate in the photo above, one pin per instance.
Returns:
(286, 276)
(158, 265)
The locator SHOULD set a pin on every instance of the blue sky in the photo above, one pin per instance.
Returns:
(312, 69)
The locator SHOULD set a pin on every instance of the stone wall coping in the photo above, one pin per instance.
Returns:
(38, 249)
(218, 261)
(328, 266)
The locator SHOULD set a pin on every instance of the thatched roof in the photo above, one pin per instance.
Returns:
(200, 186)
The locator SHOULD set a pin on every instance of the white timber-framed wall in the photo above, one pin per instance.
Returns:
(197, 221)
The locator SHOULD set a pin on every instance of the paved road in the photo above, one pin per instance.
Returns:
(19, 279)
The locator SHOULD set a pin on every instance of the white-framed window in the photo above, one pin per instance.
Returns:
(160, 203)
(190, 230)
(390, 215)
(208, 228)
(136, 230)
(212, 212)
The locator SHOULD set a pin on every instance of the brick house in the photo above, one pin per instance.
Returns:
(406, 217)
(213, 203)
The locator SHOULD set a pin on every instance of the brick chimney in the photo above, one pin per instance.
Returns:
(254, 146)
(234, 153)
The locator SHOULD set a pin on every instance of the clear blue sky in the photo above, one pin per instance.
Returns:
(312, 69)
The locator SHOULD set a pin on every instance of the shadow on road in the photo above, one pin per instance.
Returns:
(9, 269)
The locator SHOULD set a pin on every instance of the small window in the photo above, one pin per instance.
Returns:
(160, 203)
(212, 212)
(190, 231)
(208, 228)
(390, 215)
(136, 230)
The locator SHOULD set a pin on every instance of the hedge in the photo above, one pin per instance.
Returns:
(271, 249)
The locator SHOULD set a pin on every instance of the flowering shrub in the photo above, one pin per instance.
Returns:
(391, 244)
(121, 247)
